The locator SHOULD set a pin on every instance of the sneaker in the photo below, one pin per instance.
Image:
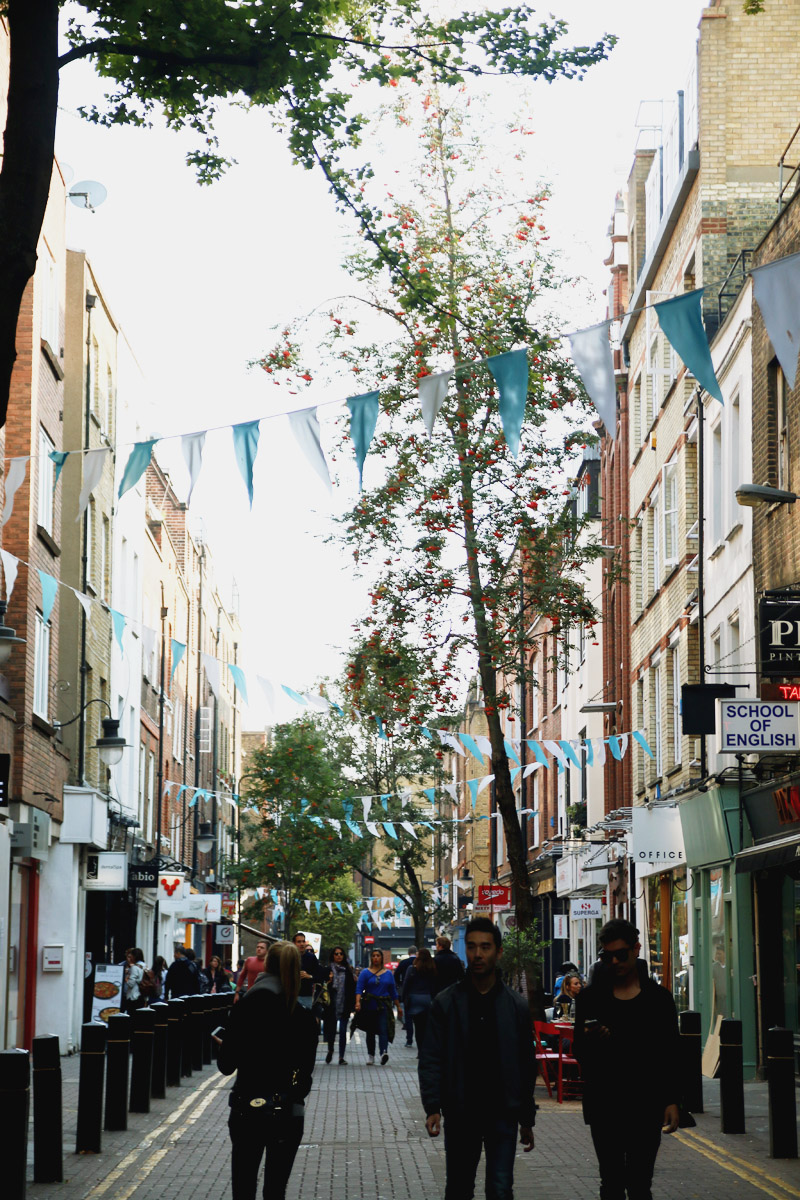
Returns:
(329, 1056)
(342, 1062)
(384, 1059)
(409, 1045)
(371, 1061)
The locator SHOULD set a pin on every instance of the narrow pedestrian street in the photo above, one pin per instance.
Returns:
(365, 1137)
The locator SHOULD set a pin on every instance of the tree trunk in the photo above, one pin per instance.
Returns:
(28, 149)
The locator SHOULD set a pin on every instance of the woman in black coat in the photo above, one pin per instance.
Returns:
(342, 989)
(271, 1042)
(216, 976)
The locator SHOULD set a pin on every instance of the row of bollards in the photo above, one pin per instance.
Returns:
(779, 1062)
(123, 1066)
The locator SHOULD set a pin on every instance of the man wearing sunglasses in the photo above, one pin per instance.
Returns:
(626, 1040)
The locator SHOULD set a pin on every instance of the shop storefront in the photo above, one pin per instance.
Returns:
(662, 894)
(720, 914)
(772, 866)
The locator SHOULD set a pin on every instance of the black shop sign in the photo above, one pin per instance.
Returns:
(779, 634)
(143, 875)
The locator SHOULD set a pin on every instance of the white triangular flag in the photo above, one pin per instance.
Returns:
(432, 395)
(211, 667)
(487, 779)
(530, 768)
(93, 463)
(267, 689)
(329, 906)
(453, 742)
(409, 828)
(452, 790)
(776, 287)
(599, 747)
(366, 803)
(10, 568)
(305, 427)
(85, 602)
(373, 828)
(192, 446)
(591, 353)
(307, 904)
(555, 750)
(483, 744)
(14, 477)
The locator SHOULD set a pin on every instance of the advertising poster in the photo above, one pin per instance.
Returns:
(106, 992)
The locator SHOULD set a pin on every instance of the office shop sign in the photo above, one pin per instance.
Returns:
(779, 635)
(751, 726)
(657, 837)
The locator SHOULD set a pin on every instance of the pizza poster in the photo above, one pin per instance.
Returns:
(106, 992)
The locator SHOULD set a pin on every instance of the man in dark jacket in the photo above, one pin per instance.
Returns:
(449, 967)
(183, 977)
(477, 1068)
(626, 1040)
(311, 972)
(400, 972)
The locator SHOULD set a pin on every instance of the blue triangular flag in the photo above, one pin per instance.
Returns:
(49, 589)
(338, 904)
(682, 322)
(642, 740)
(178, 651)
(424, 729)
(511, 752)
(569, 750)
(389, 827)
(294, 695)
(354, 829)
(472, 784)
(385, 802)
(239, 680)
(245, 448)
(472, 746)
(118, 621)
(430, 793)
(510, 371)
(363, 419)
(137, 464)
(589, 752)
(381, 734)
(515, 772)
(59, 457)
(614, 747)
(538, 753)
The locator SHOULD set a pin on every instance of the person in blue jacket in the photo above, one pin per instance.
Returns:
(376, 996)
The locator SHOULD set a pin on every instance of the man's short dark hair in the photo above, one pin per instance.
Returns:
(443, 942)
(297, 935)
(484, 925)
(618, 930)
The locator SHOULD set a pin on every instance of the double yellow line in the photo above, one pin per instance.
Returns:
(748, 1171)
(144, 1168)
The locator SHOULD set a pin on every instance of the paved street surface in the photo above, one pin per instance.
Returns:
(365, 1138)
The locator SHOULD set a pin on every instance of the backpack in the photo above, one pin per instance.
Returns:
(148, 984)
(203, 985)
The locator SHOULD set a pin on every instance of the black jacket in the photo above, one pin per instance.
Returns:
(603, 1060)
(219, 979)
(271, 1049)
(349, 990)
(310, 963)
(182, 979)
(449, 967)
(442, 1058)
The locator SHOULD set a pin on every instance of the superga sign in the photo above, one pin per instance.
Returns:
(758, 726)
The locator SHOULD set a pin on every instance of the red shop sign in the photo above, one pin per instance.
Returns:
(494, 895)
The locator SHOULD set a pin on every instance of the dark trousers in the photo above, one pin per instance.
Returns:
(626, 1149)
(420, 1025)
(329, 1026)
(253, 1134)
(464, 1138)
(379, 1024)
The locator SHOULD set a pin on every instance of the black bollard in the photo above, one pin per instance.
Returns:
(175, 1019)
(15, 1088)
(142, 1022)
(90, 1089)
(117, 1053)
(208, 1011)
(48, 1165)
(187, 1057)
(196, 1015)
(691, 1051)
(731, 1077)
(782, 1096)
(158, 1082)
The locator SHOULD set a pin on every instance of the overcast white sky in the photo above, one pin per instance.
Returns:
(198, 277)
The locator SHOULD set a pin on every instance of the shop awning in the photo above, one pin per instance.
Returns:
(769, 854)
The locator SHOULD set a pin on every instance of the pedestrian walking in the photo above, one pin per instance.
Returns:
(216, 977)
(182, 978)
(134, 970)
(419, 988)
(271, 1043)
(160, 968)
(449, 966)
(251, 969)
(342, 989)
(400, 972)
(627, 1042)
(310, 971)
(376, 996)
(477, 1069)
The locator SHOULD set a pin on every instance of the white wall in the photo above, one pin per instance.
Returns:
(59, 996)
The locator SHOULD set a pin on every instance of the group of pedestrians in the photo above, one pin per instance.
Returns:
(475, 1042)
(185, 976)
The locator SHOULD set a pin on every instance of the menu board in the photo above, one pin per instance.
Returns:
(106, 992)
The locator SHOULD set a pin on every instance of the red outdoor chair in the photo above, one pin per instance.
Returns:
(571, 1084)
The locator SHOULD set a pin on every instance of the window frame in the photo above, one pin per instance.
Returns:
(41, 668)
(46, 498)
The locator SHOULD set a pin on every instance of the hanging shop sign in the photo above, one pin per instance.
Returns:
(751, 726)
(494, 895)
(586, 907)
(143, 875)
(106, 871)
(225, 935)
(560, 927)
(657, 838)
(779, 634)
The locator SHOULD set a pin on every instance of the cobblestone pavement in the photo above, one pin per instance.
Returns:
(365, 1137)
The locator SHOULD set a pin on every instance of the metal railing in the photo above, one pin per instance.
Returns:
(788, 184)
(732, 283)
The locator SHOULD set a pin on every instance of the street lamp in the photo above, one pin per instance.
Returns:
(8, 636)
(110, 745)
(205, 838)
(750, 495)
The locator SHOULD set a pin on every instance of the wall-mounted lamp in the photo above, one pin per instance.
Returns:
(8, 636)
(205, 838)
(750, 495)
(110, 745)
(604, 706)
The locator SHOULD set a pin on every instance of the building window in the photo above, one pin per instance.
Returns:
(675, 672)
(715, 485)
(642, 724)
(177, 726)
(105, 554)
(670, 514)
(90, 543)
(732, 658)
(94, 384)
(48, 275)
(642, 573)
(655, 528)
(41, 677)
(658, 718)
(735, 456)
(47, 483)
(109, 403)
(781, 425)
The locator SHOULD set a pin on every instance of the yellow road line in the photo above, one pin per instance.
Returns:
(130, 1158)
(743, 1162)
(749, 1176)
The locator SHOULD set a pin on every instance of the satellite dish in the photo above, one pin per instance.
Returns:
(87, 194)
(67, 172)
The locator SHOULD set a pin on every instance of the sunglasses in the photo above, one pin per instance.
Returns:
(612, 956)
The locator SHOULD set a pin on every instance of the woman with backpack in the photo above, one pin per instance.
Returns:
(420, 985)
(271, 1042)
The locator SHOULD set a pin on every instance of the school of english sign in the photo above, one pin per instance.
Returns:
(750, 726)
